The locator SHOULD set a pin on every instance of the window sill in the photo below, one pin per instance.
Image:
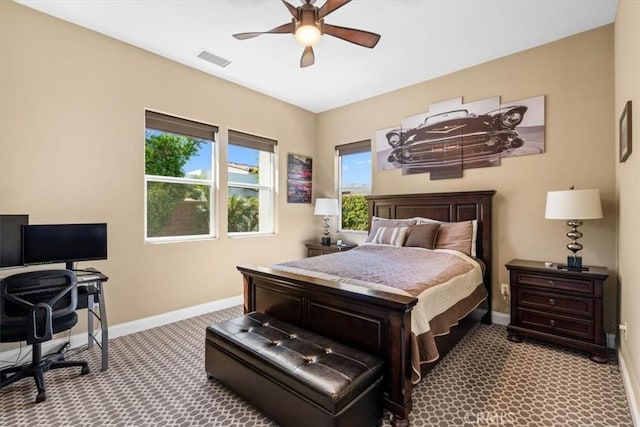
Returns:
(185, 239)
(252, 234)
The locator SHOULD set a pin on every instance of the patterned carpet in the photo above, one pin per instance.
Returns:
(157, 378)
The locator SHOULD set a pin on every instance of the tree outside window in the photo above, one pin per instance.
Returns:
(178, 176)
(354, 184)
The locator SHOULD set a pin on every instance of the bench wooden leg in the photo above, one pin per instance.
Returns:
(398, 422)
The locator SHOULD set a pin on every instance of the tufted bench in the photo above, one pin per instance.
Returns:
(294, 376)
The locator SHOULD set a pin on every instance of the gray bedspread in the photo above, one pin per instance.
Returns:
(448, 285)
(411, 270)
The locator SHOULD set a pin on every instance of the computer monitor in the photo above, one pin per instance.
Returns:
(68, 243)
(11, 239)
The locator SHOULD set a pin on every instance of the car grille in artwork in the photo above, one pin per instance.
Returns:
(473, 141)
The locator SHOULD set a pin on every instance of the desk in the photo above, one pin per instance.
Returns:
(90, 293)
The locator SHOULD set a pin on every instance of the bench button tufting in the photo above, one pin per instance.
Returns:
(318, 397)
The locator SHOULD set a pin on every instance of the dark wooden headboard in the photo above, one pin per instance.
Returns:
(450, 207)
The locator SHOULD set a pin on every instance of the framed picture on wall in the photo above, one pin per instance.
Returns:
(625, 132)
(299, 170)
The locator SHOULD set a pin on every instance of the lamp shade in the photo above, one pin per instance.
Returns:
(327, 207)
(574, 204)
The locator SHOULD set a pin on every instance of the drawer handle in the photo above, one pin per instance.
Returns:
(552, 301)
(552, 322)
(552, 283)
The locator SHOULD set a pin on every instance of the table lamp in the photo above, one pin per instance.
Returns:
(326, 208)
(574, 206)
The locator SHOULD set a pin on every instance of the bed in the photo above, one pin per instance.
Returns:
(372, 319)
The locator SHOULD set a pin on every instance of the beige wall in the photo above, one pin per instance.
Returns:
(71, 150)
(627, 88)
(576, 77)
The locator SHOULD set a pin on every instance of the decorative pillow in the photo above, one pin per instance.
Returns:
(460, 236)
(423, 235)
(390, 236)
(377, 222)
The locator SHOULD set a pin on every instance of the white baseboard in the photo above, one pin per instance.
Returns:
(611, 340)
(500, 318)
(631, 396)
(10, 357)
(139, 325)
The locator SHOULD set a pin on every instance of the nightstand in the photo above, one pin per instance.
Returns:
(315, 249)
(561, 306)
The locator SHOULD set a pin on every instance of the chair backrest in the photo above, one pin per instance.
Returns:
(31, 301)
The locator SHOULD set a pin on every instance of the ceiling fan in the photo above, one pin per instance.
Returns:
(308, 25)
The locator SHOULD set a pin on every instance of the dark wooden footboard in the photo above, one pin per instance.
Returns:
(373, 321)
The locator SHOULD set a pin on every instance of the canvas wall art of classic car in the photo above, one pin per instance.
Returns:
(453, 136)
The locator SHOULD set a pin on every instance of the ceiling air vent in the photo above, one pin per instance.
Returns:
(214, 59)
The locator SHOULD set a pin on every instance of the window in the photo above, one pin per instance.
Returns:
(251, 184)
(179, 187)
(354, 182)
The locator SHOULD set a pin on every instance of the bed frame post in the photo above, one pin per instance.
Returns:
(398, 401)
(249, 303)
(486, 208)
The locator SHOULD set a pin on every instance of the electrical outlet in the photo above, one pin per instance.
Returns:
(623, 328)
(504, 290)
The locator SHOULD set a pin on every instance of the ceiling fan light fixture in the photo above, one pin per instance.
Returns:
(308, 35)
(307, 23)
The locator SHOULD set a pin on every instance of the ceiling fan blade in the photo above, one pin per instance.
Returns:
(308, 57)
(359, 37)
(292, 9)
(282, 29)
(330, 6)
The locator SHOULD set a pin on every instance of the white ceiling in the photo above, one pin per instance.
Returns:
(421, 39)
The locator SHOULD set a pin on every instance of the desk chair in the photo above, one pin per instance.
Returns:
(34, 306)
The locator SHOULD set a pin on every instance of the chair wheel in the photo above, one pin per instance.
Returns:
(85, 370)
(41, 397)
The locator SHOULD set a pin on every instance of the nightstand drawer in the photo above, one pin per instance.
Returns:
(557, 303)
(315, 252)
(556, 324)
(554, 282)
(315, 249)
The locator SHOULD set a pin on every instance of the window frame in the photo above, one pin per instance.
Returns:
(265, 145)
(184, 127)
(343, 150)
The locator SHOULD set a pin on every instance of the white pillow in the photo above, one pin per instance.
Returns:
(422, 220)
